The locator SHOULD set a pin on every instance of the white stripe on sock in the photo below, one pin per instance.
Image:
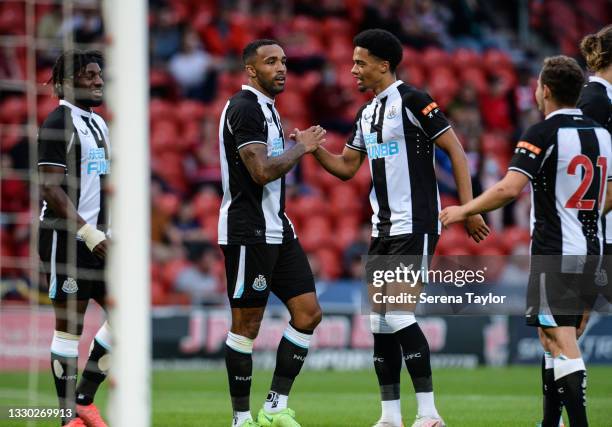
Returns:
(297, 338)
(564, 366)
(64, 344)
(239, 343)
(548, 360)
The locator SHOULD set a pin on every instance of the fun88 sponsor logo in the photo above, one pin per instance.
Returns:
(96, 162)
(378, 151)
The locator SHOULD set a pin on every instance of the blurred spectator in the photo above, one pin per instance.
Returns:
(494, 106)
(352, 258)
(198, 279)
(193, 70)
(328, 102)
(9, 66)
(185, 227)
(165, 36)
(49, 26)
(86, 23)
(425, 23)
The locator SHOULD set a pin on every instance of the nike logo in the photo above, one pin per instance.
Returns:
(84, 132)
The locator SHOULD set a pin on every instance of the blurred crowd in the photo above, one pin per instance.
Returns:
(467, 53)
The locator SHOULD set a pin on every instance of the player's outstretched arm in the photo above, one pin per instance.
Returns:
(265, 169)
(343, 166)
(51, 178)
(448, 141)
(495, 197)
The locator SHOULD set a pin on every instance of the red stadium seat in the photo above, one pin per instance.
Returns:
(466, 58)
(45, 106)
(514, 236)
(476, 77)
(12, 18)
(433, 58)
(312, 205)
(454, 241)
(167, 203)
(495, 58)
(291, 104)
(495, 144)
(413, 74)
(344, 236)
(206, 202)
(14, 110)
(189, 110)
(160, 109)
(171, 271)
(330, 263)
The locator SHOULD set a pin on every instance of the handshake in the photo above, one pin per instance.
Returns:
(310, 138)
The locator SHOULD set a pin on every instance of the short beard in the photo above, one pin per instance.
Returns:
(90, 103)
(270, 88)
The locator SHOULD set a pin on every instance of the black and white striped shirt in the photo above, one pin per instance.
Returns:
(397, 130)
(78, 141)
(596, 102)
(251, 213)
(568, 158)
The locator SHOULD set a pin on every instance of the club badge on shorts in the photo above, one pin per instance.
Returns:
(70, 286)
(259, 284)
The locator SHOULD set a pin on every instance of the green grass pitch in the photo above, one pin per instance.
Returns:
(466, 398)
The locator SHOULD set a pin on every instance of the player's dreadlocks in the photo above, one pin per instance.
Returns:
(73, 62)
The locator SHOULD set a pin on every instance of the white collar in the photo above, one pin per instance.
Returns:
(75, 108)
(389, 89)
(604, 82)
(569, 111)
(258, 93)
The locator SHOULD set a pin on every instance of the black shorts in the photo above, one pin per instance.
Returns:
(404, 244)
(81, 278)
(253, 271)
(555, 298)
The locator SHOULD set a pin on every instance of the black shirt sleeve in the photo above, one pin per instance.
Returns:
(530, 152)
(54, 137)
(594, 103)
(247, 123)
(427, 113)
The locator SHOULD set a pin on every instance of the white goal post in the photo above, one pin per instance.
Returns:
(127, 81)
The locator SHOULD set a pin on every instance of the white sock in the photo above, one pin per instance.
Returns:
(240, 417)
(391, 412)
(564, 366)
(275, 402)
(426, 405)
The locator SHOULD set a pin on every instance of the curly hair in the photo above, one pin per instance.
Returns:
(597, 49)
(70, 64)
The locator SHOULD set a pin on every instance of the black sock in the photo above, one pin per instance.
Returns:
(572, 390)
(239, 373)
(416, 356)
(552, 407)
(93, 375)
(290, 358)
(388, 365)
(64, 370)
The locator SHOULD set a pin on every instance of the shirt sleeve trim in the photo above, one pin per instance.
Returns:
(51, 164)
(441, 132)
(356, 148)
(514, 168)
(251, 142)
